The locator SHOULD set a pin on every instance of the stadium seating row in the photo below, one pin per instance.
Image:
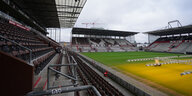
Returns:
(102, 85)
(42, 61)
(179, 44)
(99, 41)
(18, 42)
(101, 45)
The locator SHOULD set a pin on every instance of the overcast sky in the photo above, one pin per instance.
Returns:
(133, 15)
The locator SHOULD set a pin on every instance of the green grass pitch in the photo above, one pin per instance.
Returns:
(113, 58)
(167, 76)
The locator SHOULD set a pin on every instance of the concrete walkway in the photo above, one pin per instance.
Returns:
(63, 80)
(40, 80)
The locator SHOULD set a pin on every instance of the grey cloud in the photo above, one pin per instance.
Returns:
(135, 15)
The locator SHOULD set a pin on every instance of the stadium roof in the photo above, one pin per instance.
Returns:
(102, 32)
(172, 31)
(53, 13)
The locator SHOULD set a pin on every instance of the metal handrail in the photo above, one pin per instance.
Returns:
(58, 65)
(61, 73)
(72, 77)
(30, 51)
(73, 59)
(64, 90)
(68, 58)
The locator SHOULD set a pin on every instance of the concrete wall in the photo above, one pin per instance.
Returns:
(16, 76)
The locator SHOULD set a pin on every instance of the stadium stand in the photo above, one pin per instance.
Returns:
(31, 61)
(23, 37)
(25, 49)
(173, 43)
(105, 88)
(97, 40)
(25, 45)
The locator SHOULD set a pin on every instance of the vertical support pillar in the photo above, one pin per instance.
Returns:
(47, 31)
(55, 35)
(148, 38)
(60, 35)
(50, 32)
(51, 36)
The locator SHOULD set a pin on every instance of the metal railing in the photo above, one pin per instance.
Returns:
(73, 76)
(64, 90)
(52, 90)
(30, 51)
(73, 68)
